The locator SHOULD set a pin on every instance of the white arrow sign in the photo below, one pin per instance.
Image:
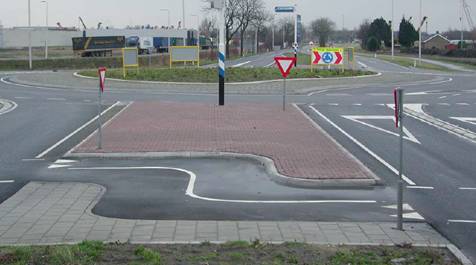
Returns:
(408, 135)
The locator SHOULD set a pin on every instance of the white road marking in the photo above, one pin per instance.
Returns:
(65, 161)
(462, 221)
(442, 97)
(58, 166)
(379, 94)
(366, 149)
(191, 185)
(413, 215)
(42, 154)
(357, 104)
(32, 159)
(241, 64)
(7, 106)
(470, 120)
(338, 95)
(462, 104)
(421, 187)
(56, 99)
(444, 104)
(87, 100)
(416, 94)
(409, 136)
(466, 188)
(6, 181)
(271, 64)
(23, 98)
(441, 82)
(455, 95)
(406, 207)
(333, 104)
(362, 64)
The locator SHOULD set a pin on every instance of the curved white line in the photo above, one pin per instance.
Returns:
(13, 106)
(191, 185)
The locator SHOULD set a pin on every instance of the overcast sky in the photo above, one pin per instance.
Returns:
(443, 14)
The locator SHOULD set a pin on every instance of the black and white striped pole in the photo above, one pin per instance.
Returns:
(221, 5)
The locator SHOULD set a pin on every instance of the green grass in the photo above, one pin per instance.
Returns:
(410, 62)
(209, 75)
(237, 252)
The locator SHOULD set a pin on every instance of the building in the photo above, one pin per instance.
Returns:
(436, 42)
(16, 38)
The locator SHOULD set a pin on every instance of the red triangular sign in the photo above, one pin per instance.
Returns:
(285, 64)
(102, 77)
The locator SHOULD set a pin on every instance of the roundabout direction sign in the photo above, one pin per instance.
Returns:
(327, 56)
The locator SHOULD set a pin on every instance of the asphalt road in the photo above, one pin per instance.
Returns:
(439, 165)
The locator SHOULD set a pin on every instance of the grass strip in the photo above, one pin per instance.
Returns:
(209, 75)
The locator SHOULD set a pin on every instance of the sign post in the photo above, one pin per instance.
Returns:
(399, 113)
(327, 56)
(285, 64)
(102, 80)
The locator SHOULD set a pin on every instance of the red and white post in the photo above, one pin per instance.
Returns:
(102, 81)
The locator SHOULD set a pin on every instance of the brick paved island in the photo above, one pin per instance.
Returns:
(299, 148)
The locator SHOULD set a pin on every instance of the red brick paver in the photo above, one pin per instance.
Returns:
(297, 147)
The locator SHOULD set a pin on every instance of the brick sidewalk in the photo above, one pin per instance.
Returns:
(52, 213)
(298, 149)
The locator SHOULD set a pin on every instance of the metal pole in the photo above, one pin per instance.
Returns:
(393, 29)
(46, 40)
(419, 33)
(29, 36)
(99, 120)
(295, 24)
(221, 58)
(284, 94)
(272, 45)
(183, 14)
(462, 24)
(400, 171)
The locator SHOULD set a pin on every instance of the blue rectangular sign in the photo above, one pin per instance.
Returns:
(284, 9)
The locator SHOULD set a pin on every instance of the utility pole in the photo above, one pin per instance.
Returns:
(47, 29)
(393, 28)
(462, 24)
(272, 26)
(183, 14)
(419, 32)
(295, 24)
(30, 60)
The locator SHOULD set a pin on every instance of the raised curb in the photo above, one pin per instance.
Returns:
(269, 165)
(76, 74)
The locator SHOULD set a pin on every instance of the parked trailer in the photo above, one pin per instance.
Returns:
(161, 44)
(97, 46)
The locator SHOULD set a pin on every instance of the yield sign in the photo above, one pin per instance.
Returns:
(408, 135)
(102, 77)
(285, 64)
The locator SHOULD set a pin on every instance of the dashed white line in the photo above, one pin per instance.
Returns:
(420, 187)
(333, 104)
(362, 64)
(23, 98)
(442, 97)
(462, 221)
(462, 104)
(32, 159)
(241, 64)
(466, 188)
(56, 99)
(365, 148)
(6, 181)
(444, 104)
(357, 104)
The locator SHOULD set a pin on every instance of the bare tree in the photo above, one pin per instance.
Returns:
(262, 16)
(250, 11)
(209, 30)
(323, 29)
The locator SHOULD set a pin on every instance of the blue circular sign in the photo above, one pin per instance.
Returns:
(328, 57)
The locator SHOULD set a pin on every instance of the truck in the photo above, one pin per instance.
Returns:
(144, 45)
(98, 46)
(161, 44)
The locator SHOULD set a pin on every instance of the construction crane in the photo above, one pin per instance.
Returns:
(84, 26)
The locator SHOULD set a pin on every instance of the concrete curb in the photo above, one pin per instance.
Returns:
(77, 75)
(268, 163)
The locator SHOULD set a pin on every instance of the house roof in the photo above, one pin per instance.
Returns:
(434, 36)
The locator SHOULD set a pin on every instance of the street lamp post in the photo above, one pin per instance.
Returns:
(183, 14)
(198, 29)
(272, 45)
(168, 16)
(46, 34)
(419, 32)
(393, 29)
(29, 36)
